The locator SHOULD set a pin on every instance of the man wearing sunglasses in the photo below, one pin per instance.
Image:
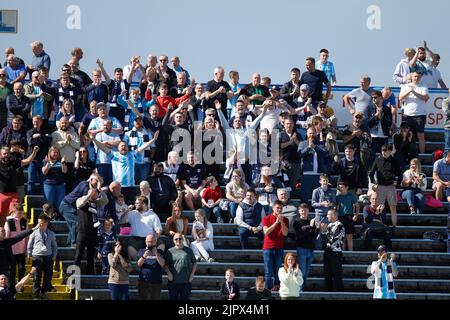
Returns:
(180, 268)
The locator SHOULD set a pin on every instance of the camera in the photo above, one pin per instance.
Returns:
(150, 248)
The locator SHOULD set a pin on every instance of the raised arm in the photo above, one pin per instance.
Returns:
(105, 74)
(100, 144)
(148, 143)
(222, 119)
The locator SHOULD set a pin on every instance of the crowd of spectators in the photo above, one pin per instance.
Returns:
(116, 156)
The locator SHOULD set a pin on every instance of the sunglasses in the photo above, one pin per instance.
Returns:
(177, 239)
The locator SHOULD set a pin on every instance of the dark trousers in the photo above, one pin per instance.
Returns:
(332, 269)
(69, 177)
(90, 242)
(44, 267)
(179, 291)
(244, 234)
(370, 234)
(149, 291)
(19, 261)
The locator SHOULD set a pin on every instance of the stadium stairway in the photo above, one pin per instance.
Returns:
(424, 265)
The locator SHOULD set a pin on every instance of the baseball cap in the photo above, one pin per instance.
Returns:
(357, 113)
(274, 88)
(382, 248)
(304, 87)
(322, 104)
(138, 117)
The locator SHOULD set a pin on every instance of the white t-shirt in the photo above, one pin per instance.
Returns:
(143, 224)
(413, 106)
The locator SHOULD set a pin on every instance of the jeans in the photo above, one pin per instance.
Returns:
(273, 259)
(70, 215)
(141, 171)
(447, 140)
(216, 210)
(34, 175)
(233, 208)
(304, 259)
(54, 193)
(105, 170)
(415, 198)
(244, 234)
(118, 291)
(179, 291)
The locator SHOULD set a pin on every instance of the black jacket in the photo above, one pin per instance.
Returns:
(6, 254)
(356, 178)
(388, 171)
(304, 233)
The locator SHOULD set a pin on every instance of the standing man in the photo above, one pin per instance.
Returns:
(218, 89)
(315, 79)
(37, 137)
(275, 228)
(387, 171)
(87, 225)
(180, 268)
(414, 97)
(43, 250)
(360, 99)
(151, 263)
(384, 270)
(164, 191)
(66, 140)
(326, 66)
(332, 255)
(291, 89)
(40, 57)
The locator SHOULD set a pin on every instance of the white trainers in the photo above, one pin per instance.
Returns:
(210, 260)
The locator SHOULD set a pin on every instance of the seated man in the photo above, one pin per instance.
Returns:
(191, 178)
(249, 216)
(375, 224)
(441, 177)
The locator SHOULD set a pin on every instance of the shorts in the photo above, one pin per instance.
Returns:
(416, 123)
(388, 193)
(348, 223)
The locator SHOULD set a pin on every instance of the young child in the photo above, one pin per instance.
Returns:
(121, 208)
(211, 198)
(259, 291)
(323, 199)
(230, 289)
(348, 209)
(105, 245)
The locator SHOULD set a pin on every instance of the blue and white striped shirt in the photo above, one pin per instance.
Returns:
(123, 167)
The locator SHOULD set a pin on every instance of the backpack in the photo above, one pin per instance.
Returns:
(437, 155)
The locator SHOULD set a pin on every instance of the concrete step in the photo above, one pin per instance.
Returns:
(103, 294)
(420, 271)
(231, 229)
(313, 284)
(232, 242)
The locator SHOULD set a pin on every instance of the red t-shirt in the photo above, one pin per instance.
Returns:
(275, 239)
(210, 194)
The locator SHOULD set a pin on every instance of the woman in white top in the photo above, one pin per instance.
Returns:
(236, 189)
(202, 237)
(413, 183)
(291, 278)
